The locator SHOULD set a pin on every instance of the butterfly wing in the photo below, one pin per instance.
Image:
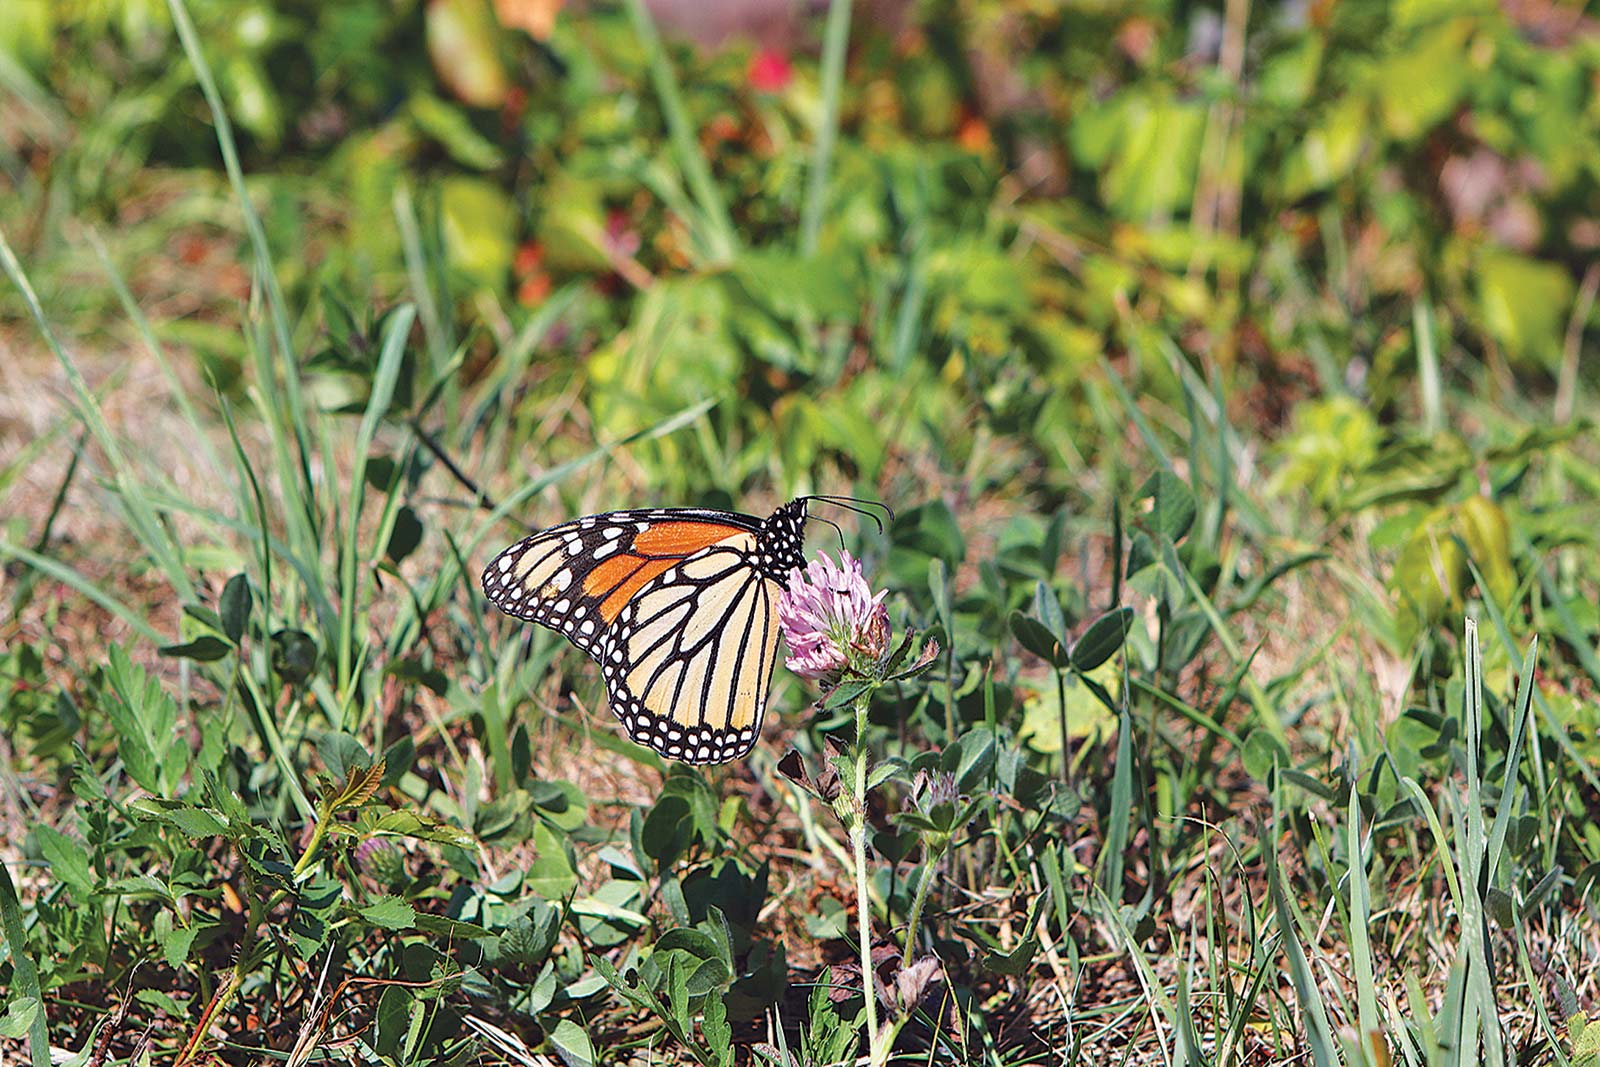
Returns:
(671, 604)
(689, 660)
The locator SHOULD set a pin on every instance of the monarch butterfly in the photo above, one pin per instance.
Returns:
(679, 606)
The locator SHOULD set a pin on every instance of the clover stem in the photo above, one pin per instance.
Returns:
(1061, 706)
(916, 906)
(858, 840)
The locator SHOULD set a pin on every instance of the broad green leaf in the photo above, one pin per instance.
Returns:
(204, 649)
(68, 859)
(1102, 639)
(479, 223)
(175, 944)
(1172, 506)
(390, 913)
(1087, 715)
(571, 1043)
(234, 607)
(464, 43)
(1524, 304)
(1037, 638)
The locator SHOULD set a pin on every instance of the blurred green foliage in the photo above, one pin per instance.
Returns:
(1137, 313)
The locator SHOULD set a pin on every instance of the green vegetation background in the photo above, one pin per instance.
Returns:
(1273, 323)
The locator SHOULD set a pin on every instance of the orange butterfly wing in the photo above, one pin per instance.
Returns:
(672, 605)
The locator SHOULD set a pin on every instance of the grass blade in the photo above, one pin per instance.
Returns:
(716, 228)
(1370, 1035)
(141, 517)
(276, 309)
(383, 384)
(835, 41)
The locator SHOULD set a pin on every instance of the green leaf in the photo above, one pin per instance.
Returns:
(479, 223)
(234, 607)
(145, 720)
(551, 874)
(415, 826)
(193, 822)
(1015, 962)
(68, 859)
(1047, 609)
(1172, 508)
(1261, 753)
(452, 129)
(390, 913)
(571, 1043)
(1087, 716)
(677, 983)
(1034, 636)
(294, 655)
(20, 1017)
(974, 756)
(25, 973)
(845, 694)
(406, 536)
(1102, 639)
(205, 649)
(1524, 303)
(718, 1034)
(176, 943)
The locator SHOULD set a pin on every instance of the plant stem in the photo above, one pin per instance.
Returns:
(1061, 706)
(858, 841)
(916, 907)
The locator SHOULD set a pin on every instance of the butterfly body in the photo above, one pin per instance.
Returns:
(677, 605)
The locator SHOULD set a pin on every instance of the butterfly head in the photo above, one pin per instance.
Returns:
(783, 542)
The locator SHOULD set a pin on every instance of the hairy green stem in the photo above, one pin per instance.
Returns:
(916, 907)
(858, 841)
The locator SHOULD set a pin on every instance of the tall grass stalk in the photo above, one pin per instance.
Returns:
(835, 42)
(719, 241)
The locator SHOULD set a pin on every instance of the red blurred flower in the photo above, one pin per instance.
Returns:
(770, 71)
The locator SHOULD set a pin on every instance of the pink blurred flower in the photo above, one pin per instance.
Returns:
(770, 71)
(833, 622)
(621, 240)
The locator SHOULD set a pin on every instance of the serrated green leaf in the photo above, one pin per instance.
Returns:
(718, 1034)
(413, 825)
(145, 719)
(176, 944)
(68, 859)
(193, 821)
(1015, 962)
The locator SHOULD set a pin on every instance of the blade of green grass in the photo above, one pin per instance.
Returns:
(716, 228)
(422, 292)
(153, 537)
(1156, 1000)
(835, 41)
(1370, 1027)
(64, 574)
(383, 384)
(1121, 812)
(1314, 1018)
(276, 308)
(175, 386)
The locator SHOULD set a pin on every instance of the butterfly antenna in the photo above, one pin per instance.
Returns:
(836, 526)
(857, 505)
